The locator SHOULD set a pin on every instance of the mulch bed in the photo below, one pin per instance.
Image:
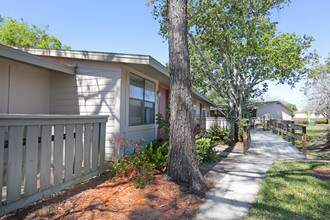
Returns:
(322, 173)
(101, 198)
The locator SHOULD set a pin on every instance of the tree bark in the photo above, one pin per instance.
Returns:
(182, 166)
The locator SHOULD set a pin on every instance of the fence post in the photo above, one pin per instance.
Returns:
(293, 137)
(275, 127)
(244, 139)
(267, 124)
(287, 132)
(304, 141)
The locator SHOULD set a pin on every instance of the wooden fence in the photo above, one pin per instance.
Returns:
(42, 154)
(287, 130)
(219, 121)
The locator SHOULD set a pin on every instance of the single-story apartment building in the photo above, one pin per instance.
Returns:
(131, 89)
(270, 109)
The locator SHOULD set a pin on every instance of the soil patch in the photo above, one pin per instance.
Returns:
(101, 198)
(322, 173)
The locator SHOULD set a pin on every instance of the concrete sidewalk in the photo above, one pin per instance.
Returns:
(237, 177)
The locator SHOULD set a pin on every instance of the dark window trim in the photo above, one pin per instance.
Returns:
(143, 101)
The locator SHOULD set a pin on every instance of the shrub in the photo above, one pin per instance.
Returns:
(136, 166)
(164, 122)
(240, 124)
(305, 122)
(216, 134)
(321, 121)
(205, 150)
(156, 153)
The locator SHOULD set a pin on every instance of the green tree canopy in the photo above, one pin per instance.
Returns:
(291, 106)
(19, 33)
(235, 48)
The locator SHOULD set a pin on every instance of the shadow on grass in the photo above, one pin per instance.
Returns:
(275, 212)
(292, 192)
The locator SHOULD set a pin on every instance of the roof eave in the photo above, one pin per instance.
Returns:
(111, 57)
(17, 55)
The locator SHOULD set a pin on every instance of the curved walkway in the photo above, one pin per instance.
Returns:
(237, 177)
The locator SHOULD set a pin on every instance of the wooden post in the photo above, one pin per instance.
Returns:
(278, 128)
(304, 141)
(268, 124)
(287, 132)
(293, 138)
(244, 139)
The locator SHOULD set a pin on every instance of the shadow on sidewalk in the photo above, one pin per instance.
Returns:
(223, 152)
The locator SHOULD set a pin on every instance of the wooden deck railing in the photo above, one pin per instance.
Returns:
(287, 130)
(42, 154)
(219, 121)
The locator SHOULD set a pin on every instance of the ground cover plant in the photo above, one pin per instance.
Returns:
(207, 141)
(293, 190)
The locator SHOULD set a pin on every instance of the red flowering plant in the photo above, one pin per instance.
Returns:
(132, 162)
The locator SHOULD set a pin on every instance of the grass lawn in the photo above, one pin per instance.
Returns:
(313, 133)
(289, 191)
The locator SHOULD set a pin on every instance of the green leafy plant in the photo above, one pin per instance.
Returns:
(216, 134)
(205, 150)
(240, 124)
(136, 166)
(156, 153)
(163, 121)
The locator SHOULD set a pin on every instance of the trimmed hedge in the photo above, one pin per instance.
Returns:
(304, 122)
(321, 121)
(318, 121)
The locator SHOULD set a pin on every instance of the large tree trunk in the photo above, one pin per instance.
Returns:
(238, 114)
(182, 164)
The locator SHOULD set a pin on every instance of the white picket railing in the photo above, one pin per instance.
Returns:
(219, 121)
(42, 154)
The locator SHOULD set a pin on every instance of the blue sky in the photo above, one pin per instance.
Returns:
(127, 26)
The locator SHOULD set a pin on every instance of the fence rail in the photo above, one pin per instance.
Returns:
(219, 121)
(42, 154)
(287, 130)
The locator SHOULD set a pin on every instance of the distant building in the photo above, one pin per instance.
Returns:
(219, 111)
(271, 109)
(304, 116)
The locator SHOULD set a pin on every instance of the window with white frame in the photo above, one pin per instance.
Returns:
(142, 98)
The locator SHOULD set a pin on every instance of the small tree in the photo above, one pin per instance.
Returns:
(20, 33)
(317, 90)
